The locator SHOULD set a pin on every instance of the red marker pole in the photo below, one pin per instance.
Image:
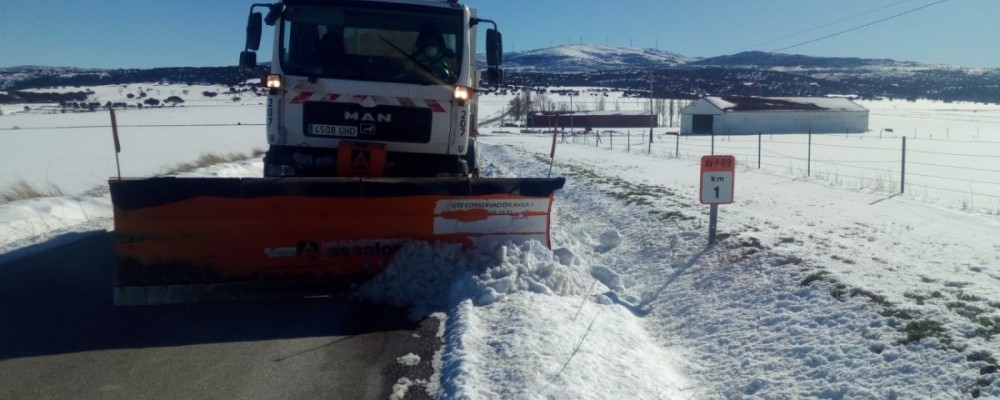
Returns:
(118, 146)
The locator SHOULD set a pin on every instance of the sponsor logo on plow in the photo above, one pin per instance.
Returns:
(491, 216)
(313, 250)
(363, 248)
(279, 252)
(495, 206)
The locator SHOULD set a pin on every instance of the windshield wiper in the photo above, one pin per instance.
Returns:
(425, 67)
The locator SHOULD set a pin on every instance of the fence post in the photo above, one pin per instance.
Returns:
(628, 138)
(809, 155)
(902, 174)
(677, 146)
(611, 138)
(759, 135)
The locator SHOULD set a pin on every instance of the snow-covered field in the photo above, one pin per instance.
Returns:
(75, 151)
(818, 288)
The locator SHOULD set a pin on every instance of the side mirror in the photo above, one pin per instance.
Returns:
(254, 27)
(248, 59)
(494, 48)
(494, 76)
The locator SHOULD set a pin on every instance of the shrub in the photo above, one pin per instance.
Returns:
(174, 100)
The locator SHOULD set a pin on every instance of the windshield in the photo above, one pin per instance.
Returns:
(372, 44)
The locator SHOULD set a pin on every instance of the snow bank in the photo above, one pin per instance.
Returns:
(32, 221)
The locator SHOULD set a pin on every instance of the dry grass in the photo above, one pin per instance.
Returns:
(23, 190)
(210, 159)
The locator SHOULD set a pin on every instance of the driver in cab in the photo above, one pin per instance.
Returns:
(432, 54)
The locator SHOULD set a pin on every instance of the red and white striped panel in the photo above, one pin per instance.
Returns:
(368, 100)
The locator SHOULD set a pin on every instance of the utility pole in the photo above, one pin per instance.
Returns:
(652, 118)
(527, 109)
(571, 112)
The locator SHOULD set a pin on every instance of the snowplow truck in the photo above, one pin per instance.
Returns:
(371, 118)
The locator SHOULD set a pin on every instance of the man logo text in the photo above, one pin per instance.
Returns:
(367, 117)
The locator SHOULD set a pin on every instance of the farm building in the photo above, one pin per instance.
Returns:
(751, 115)
(593, 119)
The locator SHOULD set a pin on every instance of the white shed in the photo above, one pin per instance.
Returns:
(751, 115)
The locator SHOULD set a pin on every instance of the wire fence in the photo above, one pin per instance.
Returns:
(966, 172)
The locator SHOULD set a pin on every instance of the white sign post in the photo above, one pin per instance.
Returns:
(717, 184)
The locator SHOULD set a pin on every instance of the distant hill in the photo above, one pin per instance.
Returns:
(749, 74)
(674, 75)
(30, 77)
(762, 59)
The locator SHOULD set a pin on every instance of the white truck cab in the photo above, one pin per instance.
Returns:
(372, 87)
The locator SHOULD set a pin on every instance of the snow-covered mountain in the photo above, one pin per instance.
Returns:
(587, 58)
(10, 76)
(594, 58)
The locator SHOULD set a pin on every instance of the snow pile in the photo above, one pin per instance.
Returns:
(526, 268)
(426, 277)
(522, 324)
(38, 220)
(419, 278)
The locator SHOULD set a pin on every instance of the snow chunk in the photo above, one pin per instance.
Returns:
(608, 277)
(402, 386)
(409, 360)
(610, 240)
(565, 256)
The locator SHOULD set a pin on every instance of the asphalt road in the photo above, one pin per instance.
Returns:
(61, 338)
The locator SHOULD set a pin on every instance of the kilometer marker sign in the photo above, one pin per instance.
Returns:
(717, 173)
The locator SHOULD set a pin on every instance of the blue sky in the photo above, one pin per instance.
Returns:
(148, 33)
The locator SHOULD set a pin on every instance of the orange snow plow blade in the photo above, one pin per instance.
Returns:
(184, 240)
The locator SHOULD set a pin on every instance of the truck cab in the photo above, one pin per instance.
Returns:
(362, 88)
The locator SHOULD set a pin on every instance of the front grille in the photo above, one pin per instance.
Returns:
(354, 122)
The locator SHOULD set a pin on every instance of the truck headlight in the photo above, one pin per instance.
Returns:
(273, 81)
(462, 93)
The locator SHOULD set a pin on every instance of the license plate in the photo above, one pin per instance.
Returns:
(333, 130)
